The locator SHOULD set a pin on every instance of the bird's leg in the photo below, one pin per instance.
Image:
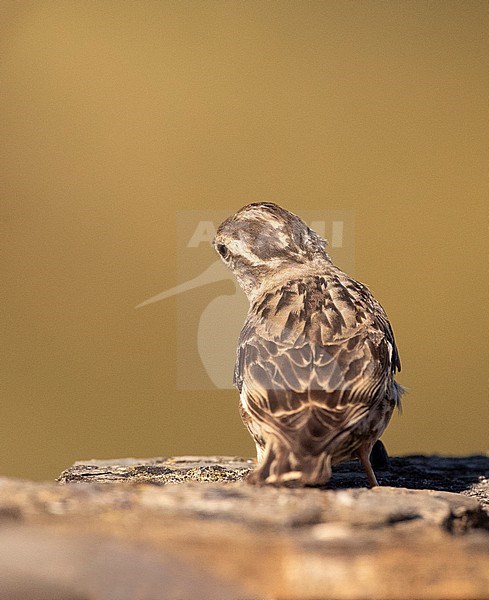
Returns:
(364, 456)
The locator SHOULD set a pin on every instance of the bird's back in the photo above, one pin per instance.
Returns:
(315, 362)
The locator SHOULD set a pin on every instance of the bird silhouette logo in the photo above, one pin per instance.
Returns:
(221, 319)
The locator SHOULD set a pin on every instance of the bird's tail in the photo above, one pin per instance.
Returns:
(303, 456)
(283, 466)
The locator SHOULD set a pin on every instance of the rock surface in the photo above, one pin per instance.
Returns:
(122, 529)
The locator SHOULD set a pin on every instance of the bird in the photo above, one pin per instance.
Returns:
(316, 358)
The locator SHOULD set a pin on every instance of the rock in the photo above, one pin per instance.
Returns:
(159, 470)
(188, 527)
(446, 473)
(42, 564)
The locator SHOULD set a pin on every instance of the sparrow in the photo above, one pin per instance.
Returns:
(316, 357)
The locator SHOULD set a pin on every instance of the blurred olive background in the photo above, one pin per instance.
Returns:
(116, 115)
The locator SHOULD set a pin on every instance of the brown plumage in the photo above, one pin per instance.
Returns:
(316, 357)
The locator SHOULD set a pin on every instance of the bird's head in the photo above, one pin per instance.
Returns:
(262, 240)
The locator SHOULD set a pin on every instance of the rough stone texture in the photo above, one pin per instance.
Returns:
(130, 535)
(159, 471)
(449, 474)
